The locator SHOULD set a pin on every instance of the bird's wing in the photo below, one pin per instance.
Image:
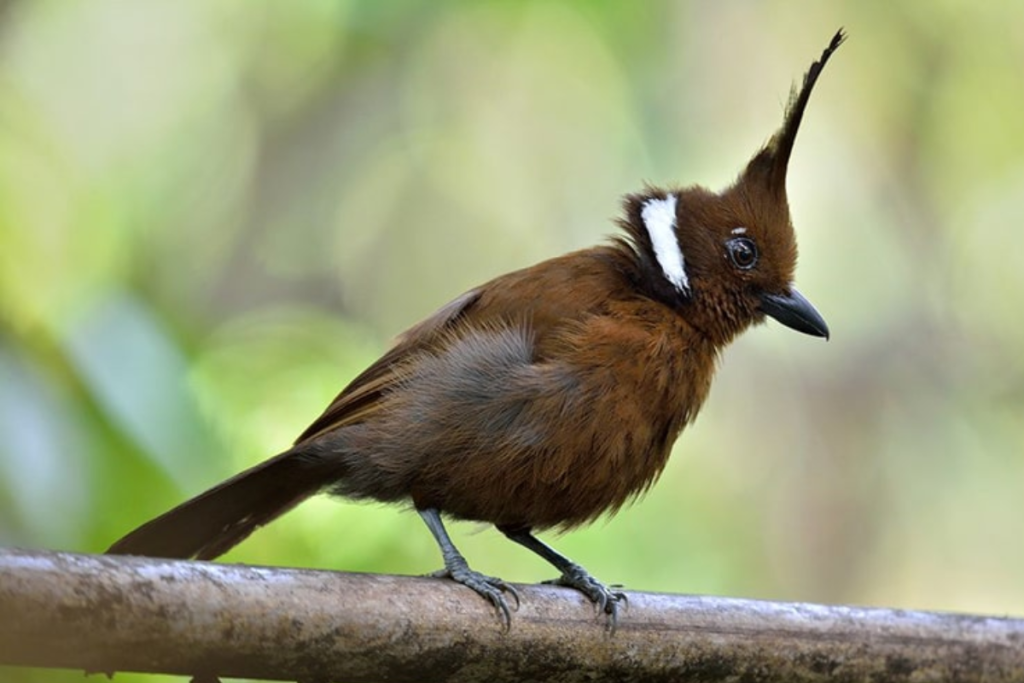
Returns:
(361, 395)
(528, 296)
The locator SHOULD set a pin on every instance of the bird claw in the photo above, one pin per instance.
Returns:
(489, 587)
(606, 601)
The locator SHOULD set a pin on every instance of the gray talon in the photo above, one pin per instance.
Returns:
(606, 601)
(489, 587)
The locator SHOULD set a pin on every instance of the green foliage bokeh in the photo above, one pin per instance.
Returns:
(214, 214)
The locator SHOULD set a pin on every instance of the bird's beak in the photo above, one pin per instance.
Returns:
(793, 310)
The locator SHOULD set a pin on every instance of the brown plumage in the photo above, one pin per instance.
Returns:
(548, 396)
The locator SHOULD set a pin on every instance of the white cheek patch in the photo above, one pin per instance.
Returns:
(659, 217)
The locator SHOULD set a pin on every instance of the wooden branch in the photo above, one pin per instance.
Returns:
(109, 614)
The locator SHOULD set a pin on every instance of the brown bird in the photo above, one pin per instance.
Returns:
(548, 396)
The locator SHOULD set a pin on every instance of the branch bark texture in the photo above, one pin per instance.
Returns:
(108, 614)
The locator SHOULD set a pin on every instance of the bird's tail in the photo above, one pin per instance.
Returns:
(215, 521)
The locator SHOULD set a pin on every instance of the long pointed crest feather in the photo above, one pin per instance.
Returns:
(771, 162)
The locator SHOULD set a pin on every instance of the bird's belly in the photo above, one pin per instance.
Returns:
(557, 482)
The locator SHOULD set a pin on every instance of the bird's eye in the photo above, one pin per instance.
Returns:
(742, 252)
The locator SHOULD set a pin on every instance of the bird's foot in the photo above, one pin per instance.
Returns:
(489, 587)
(606, 600)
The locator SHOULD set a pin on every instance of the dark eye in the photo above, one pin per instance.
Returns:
(742, 252)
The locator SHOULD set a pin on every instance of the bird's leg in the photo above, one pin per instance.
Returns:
(456, 568)
(573, 575)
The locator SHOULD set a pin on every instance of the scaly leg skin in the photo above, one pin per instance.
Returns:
(573, 575)
(456, 569)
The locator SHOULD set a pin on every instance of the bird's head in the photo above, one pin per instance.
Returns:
(726, 260)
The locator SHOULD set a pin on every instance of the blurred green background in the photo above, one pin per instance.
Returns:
(214, 214)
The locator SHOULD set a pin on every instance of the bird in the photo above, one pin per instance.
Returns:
(547, 397)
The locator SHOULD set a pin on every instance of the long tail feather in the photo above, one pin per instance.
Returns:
(215, 521)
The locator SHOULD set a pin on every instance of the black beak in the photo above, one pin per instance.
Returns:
(793, 310)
